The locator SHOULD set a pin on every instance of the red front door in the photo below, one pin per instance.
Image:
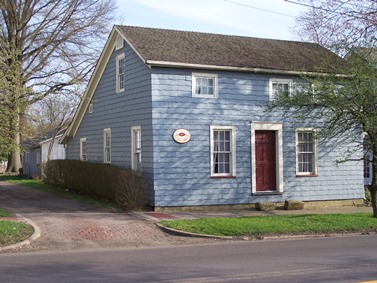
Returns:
(265, 160)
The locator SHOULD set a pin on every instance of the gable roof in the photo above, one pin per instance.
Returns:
(194, 49)
(184, 49)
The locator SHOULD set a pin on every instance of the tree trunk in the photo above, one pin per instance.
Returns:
(14, 160)
(373, 186)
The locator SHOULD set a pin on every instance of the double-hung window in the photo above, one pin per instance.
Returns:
(223, 155)
(136, 148)
(38, 156)
(83, 155)
(306, 155)
(107, 145)
(204, 85)
(120, 73)
(279, 87)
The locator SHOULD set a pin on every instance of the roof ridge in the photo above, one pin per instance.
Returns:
(218, 34)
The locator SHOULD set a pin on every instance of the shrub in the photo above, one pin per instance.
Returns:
(126, 187)
(130, 190)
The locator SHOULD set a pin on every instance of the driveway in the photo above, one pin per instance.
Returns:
(70, 224)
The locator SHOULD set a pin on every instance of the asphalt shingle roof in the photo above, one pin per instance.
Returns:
(186, 47)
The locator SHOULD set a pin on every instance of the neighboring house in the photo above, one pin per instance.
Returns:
(36, 153)
(188, 110)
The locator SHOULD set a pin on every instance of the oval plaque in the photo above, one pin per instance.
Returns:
(181, 136)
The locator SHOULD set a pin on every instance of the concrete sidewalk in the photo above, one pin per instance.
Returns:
(158, 216)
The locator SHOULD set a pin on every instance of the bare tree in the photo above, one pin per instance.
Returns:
(50, 46)
(338, 24)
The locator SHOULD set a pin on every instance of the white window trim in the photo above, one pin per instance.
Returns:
(133, 145)
(106, 131)
(215, 85)
(119, 42)
(233, 151)
(81, 153)
(118, 58)
(279, 81)
(315, 167)
(263, 126)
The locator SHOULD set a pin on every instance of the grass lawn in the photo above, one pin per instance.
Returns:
(277, 225)
(4, 213)
(12, 232)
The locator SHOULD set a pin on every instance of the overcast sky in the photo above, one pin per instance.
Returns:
(257, 18)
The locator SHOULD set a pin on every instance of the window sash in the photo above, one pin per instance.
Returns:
(204, 85)
(222, 152)
(306, 155)
(83, 154)
(107, 145)
(280, 86)
(136, 148)
(120, 73)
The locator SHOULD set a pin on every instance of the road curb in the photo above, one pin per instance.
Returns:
(36, 235)
(247, 238)
(189, 234)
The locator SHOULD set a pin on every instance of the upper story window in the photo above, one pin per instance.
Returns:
(107, 145)
(204, 85)
(90, 107)
(223, 152)
(120, 72)
(280, 86)
(306, 153)
(83, 155)
(119, 43)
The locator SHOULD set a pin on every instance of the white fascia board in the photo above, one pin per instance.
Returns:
(58, 136)
(130, 45)
(92, 85)
(237, 69)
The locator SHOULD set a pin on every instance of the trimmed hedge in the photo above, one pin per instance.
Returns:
(126, 187)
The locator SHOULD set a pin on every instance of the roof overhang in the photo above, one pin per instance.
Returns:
(152, 63)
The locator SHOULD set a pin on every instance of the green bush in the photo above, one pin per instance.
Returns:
(126, 187)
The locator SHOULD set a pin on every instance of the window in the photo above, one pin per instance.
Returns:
(120, 73)
(223, 154)
(119, 43)
(280, 86)
(306, 152)
(83, 155)
(107, 145)
(38, 156)
(136, 148)
(366, 168)
(90, 108)
(204, 85)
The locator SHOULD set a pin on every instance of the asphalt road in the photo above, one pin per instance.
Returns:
(337, 259)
